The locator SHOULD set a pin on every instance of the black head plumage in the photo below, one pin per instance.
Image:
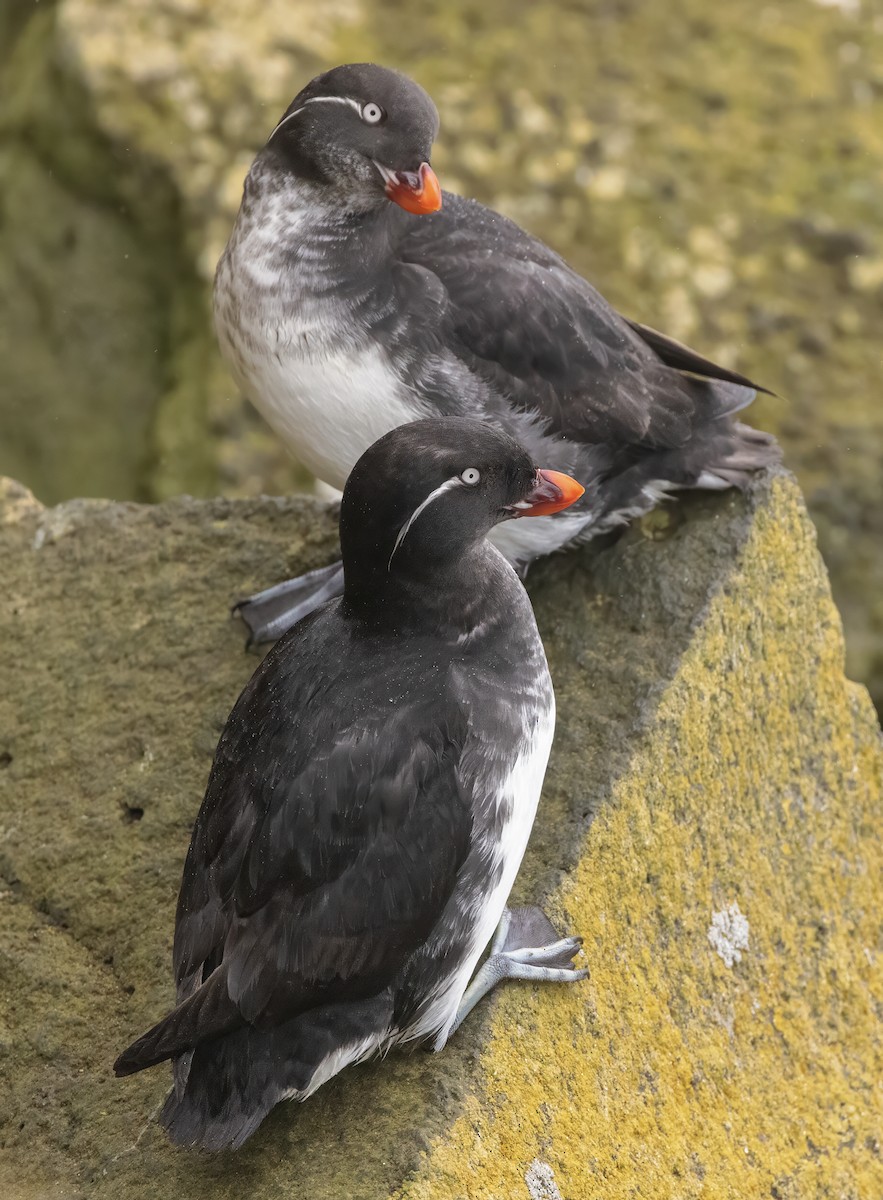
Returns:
(357, 129)
(424, 494)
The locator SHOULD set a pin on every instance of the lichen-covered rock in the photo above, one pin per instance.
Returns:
(717, 176)
(710, 823)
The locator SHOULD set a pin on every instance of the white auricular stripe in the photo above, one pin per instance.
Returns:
(317, 100)
(444, 487)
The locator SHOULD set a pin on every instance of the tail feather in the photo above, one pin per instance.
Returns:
(208, 1013)
(233, 1082)
(722, 454)
(728, 398)
(228, 1074)
(736, 458)
(717, 398)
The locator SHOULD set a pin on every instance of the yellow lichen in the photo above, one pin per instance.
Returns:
(669, 1074)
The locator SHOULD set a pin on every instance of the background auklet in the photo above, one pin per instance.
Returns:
(344, 309)
(370, 799)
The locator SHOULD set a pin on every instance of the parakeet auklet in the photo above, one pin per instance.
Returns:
(344, 309)
(371, 799)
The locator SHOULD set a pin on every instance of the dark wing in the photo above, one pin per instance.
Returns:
(543, 337)
(329, 840)
(326, 846)
(349, 869)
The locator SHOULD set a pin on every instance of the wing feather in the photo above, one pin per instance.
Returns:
(323, 852)
(542, 337)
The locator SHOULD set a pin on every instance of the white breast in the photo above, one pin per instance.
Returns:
(327, 408)
(325, 386)
(293, 349)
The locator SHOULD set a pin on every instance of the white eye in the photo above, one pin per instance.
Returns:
(372, 114)
(471, 476)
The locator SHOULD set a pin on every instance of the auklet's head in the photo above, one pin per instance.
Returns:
(426, 493)
(365, 133)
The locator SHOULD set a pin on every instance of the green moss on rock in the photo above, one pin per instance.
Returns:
(709, 753)
(99, 296)
(717, 176)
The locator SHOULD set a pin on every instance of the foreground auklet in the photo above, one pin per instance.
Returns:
(351, 299)
(370, 799)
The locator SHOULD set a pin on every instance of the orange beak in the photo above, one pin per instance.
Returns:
(551, 493)
(420, 193)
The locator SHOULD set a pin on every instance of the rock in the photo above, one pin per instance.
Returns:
(127, 133)
(710, 823)
(682, 189)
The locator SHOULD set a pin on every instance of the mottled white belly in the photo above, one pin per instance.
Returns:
(327, 408)
(323, 386)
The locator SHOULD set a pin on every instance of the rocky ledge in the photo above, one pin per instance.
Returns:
(710, 823)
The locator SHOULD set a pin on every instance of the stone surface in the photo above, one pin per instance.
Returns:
(717, 176)
(710, 823)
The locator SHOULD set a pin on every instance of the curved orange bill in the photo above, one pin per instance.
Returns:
(551, 493)
(416, 193)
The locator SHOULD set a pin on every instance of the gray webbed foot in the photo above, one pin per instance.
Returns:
(271, 613)
(525, 946)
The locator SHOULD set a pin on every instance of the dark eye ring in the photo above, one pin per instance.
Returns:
(373, 114)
